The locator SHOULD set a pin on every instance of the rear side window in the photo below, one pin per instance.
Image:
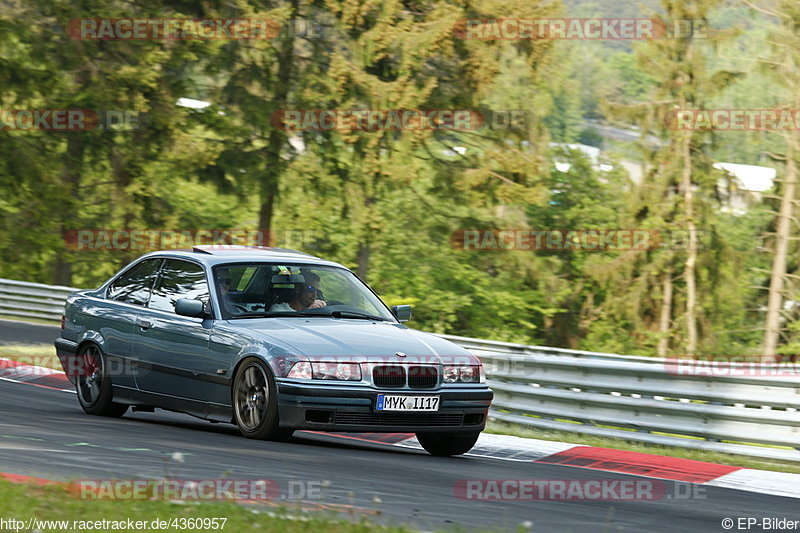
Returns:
(179, 279)
(134, 286)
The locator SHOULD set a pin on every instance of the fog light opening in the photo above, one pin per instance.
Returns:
(319, 417)
(473, 419)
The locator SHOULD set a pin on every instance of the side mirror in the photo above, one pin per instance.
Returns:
(189, 307)
(402, 312)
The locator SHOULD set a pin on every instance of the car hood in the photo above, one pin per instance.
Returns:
(321, 338)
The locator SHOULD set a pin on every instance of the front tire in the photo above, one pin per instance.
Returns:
(255, 402)
(444, 444)
(93, 384)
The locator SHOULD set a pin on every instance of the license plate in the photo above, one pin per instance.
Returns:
(390, 402)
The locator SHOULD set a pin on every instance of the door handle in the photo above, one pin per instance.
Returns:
(144, 324)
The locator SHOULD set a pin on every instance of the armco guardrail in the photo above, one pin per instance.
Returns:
(611, 398)
(482, 347)
(735, 408)
(32, 300)
(636, 398)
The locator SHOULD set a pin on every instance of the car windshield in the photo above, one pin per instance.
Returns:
(250, 290)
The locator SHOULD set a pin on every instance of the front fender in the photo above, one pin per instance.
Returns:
(277, 360)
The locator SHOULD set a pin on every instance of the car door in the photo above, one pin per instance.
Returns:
(172, 348)
(126, 298)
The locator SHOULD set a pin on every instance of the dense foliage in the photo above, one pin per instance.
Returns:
(387, 203)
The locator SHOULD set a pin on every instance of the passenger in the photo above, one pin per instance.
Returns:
(226, 284)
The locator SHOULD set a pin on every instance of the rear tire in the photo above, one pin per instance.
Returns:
(444, 444)
(93, 384)
(255, 402)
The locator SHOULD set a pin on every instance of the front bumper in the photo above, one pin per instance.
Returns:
(342, 408)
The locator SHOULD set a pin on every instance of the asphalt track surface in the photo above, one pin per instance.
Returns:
(44, 433)
(13, 332)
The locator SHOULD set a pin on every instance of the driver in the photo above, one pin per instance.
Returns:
(306, 296)
(226, 286)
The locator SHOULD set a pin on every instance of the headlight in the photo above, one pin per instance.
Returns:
(469, 374)
(450, 374)
(335, 371)
(300, 370)
(339, 371)
(463, 374)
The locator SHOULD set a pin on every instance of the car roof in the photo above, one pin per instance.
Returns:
(219, 254)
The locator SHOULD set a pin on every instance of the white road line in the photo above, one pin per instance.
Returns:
(763, 481)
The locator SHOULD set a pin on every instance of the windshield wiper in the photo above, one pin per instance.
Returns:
(291, 313)
(356, 314)
(267, 314)
(334, 314)
(248, 315)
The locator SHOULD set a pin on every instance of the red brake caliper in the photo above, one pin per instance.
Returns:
(89, 365)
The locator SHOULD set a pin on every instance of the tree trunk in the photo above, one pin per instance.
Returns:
(269, 192)
(666, 314)
(363, 260)
(121, 171)
(70, 181)
(691, 254)
(775, 298)
(274, 163)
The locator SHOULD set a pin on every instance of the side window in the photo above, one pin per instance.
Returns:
(179, 279)
(134, 286)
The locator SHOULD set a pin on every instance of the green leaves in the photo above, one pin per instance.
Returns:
(387, 202)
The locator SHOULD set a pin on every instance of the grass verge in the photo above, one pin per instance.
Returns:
(32, 354)
(504, 428)
(25, 502)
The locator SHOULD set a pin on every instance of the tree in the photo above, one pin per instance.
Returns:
(91, 176)
(784, 66)
(680, 168)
